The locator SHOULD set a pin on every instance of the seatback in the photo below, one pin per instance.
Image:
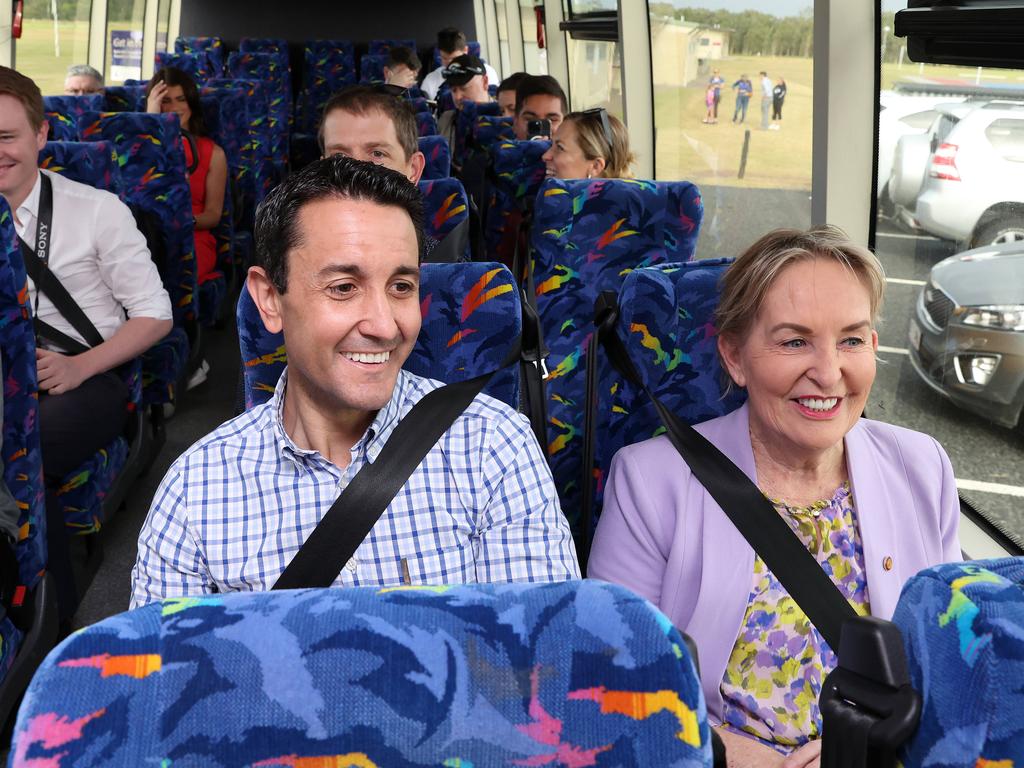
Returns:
(383, 47)
(198, 64)
(62, 113)
(586, 236)
(258, 175)
(519, 172)
(329, 67)
(471, 316)
(22, 460)
(418, 104)
(575, 673)
(371, 68)
(465, 121)
(963, 628)
(439, 159)
(212, 46)
(474, 50)
(445, 207)
(266, 69)
(124, 98)
(426, 125)
(220, 118)
(87, 162)
(490, 130)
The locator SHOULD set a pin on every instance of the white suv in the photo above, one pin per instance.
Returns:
(974, 189)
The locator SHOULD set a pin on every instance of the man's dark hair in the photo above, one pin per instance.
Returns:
(511, 83)
(451, 39)
(16, 85)
(360, 99)
(400, 55)
(338, 177)
(174, 76)
(534, 85)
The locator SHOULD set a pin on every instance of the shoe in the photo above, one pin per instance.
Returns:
(198, 376)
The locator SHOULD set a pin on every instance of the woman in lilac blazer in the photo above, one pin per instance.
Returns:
(873, 503)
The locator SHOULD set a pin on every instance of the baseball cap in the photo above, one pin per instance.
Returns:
(463, 69)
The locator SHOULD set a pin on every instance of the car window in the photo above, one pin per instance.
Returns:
(919, 121)
(946, 124)
(1007, 138)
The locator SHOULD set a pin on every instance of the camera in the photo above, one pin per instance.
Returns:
(538, 130)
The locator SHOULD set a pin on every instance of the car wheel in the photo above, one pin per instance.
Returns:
(1005, 229)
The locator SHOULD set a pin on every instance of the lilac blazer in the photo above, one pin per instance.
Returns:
(663, 536)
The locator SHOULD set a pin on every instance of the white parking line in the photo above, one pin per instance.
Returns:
(905, 236)
(893, 350)
(903, 281)
(985, 487)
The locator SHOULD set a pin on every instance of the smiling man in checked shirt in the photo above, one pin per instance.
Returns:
(337, 246)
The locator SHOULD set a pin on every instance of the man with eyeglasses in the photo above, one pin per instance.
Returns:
(82, 80)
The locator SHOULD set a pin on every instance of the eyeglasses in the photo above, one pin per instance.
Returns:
(606, 126)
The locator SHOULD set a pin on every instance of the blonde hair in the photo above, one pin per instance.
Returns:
(590, 136)
(747, 281)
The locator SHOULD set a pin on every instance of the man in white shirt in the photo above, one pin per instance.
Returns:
(98, 254)
(451, 43)
(766, 100)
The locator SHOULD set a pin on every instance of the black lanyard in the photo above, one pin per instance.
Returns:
(44, 227)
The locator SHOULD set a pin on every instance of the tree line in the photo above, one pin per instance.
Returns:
(752, 33)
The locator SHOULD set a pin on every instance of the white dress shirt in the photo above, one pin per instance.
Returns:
(432, 83)
(98, 254)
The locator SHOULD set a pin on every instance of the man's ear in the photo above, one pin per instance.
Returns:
(42, 135)
(266, 298)
(416, 165)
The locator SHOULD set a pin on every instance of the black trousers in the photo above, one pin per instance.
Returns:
(776, 110)
(73, 426)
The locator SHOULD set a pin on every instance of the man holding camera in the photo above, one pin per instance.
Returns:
(539, 98)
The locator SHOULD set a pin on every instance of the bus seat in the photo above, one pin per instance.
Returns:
(257, 175)
(518, 174)
(573, 673)
(198, 65)
(21, 650)
(963, 628)
(62, 113)
(418, 103)
(124, 98)
(152, 166)
(471, 312)
(491, 129)
(212, 46)
(92, 493)
(445, 207)
(383, 47)
(426, 125)
(586, 236)
(266, 69)
(329, 67)
(371, 68)
(278, 48)
(465, 121)
(439, 158)
(445, 100)
(474, 50)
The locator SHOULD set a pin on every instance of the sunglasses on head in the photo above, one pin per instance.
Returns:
(606, 126)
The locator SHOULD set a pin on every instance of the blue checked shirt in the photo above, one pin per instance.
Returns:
(234, 509)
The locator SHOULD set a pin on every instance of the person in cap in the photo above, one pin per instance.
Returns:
(451, 43)
(467, 77)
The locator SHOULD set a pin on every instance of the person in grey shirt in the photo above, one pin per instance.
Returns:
(766, 100)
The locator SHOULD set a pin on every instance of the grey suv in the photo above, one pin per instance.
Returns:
(967, 336)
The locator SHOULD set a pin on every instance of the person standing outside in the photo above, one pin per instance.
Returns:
(778, 97)
(766, 100)
(716, 82)
(744, 88)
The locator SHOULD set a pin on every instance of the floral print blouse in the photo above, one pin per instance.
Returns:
(775, 673)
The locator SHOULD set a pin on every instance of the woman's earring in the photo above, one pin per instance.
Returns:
(590, 175)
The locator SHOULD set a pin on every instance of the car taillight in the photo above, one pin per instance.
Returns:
(944, 163)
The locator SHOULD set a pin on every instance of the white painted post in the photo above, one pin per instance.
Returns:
(56, 29)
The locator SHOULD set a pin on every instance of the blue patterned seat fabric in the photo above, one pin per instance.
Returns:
(82, 491)
(418, 103)
(465, 122)
(198, 64)
(579, 673)
(490, 130)
(371, 68)
(586, 237)
(329, 67)
(124, 98)
(471, 314)
(439, 159)
(152, 165)
(520, 172)
(426, 125)
(62, 113)
(382, 47)
(445, 206)
(278, 49)
(213, 46)
(963, 628)
(265, 69)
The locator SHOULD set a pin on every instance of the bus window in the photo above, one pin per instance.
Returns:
(124, 40)
(950, 233)
(48, 45)
(536, 62)
(595, 75)
(163, 24)
(742, 137)
(505, 56)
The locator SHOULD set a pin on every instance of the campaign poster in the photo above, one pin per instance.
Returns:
(126, 54)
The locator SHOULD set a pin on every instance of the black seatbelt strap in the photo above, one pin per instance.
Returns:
(37, 263)
(453, 248)
(354, 513)
(741, 500)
